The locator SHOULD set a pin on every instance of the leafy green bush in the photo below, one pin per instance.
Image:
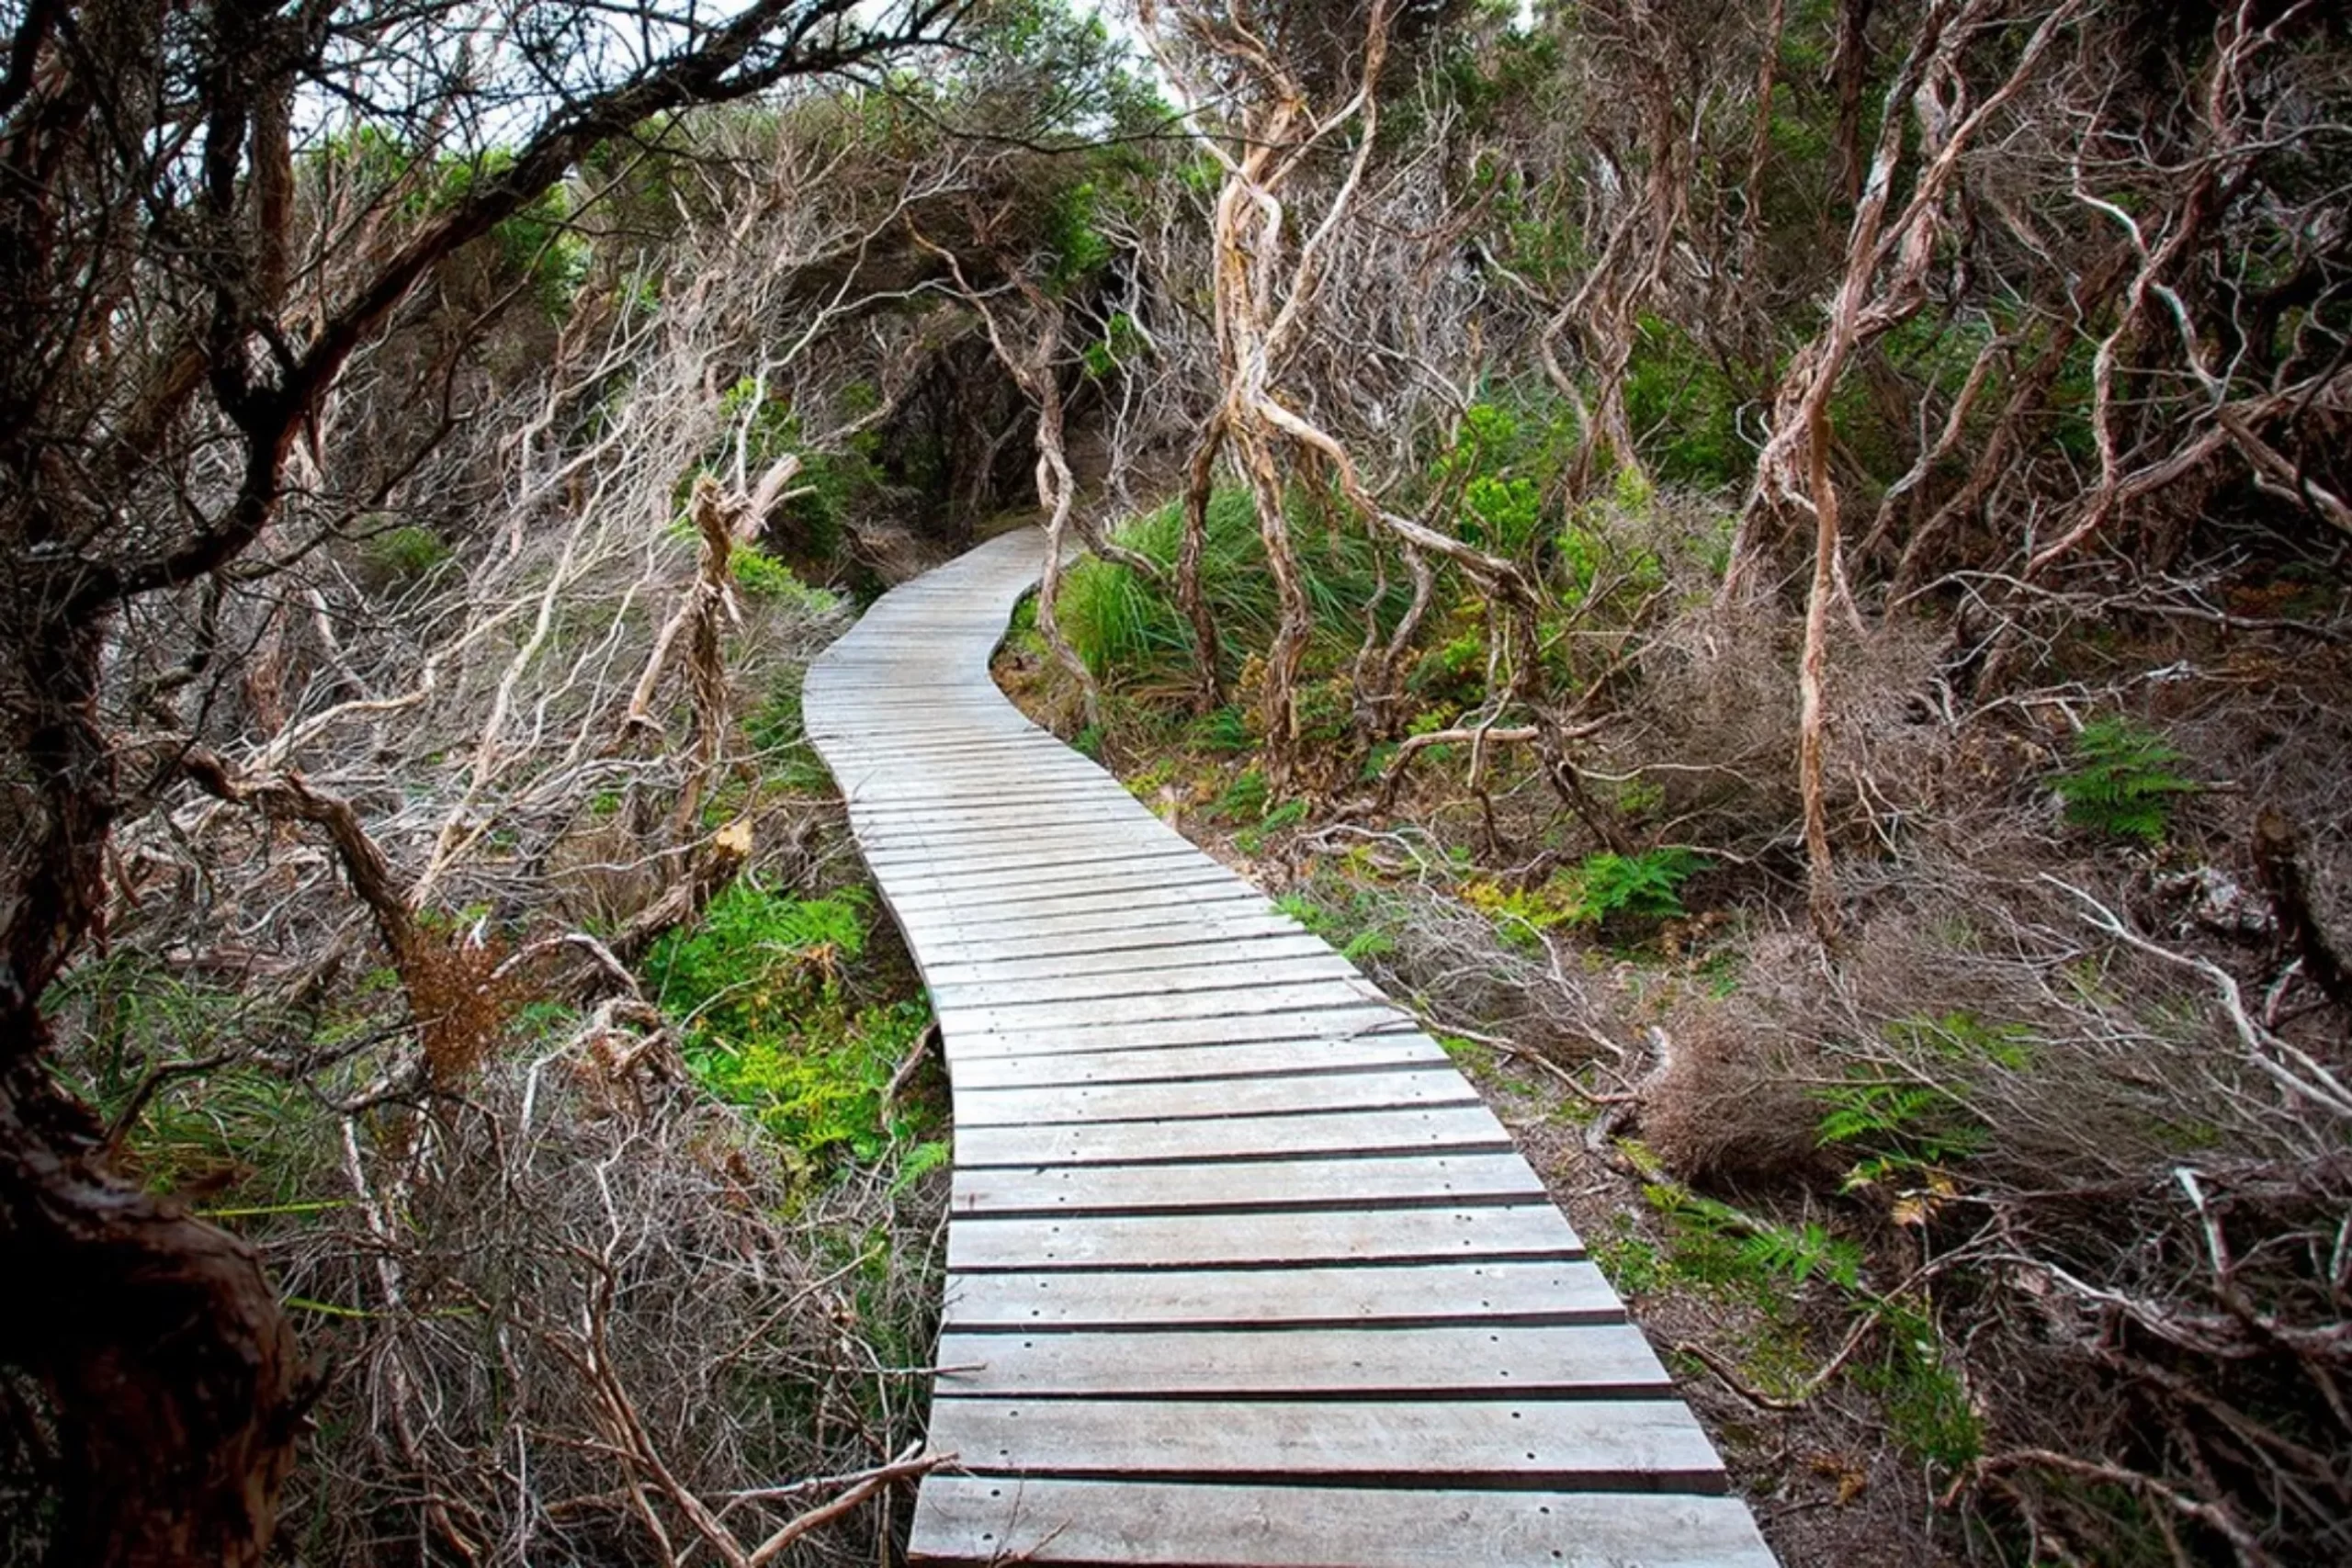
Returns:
(770, 1023)
(1685, 411)
(1242, 800)
(765, 579)
(2123, 784)
(1601, 891)
(1129, 630)
(405, 552)
(755, 954)
(1645, 886)
(1503, 455)
(1227, 730)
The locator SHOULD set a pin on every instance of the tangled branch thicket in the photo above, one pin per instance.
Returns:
(508, 691)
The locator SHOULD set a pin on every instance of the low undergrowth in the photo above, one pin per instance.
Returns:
(780, 1013)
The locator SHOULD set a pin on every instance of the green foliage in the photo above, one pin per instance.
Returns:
(1242, 800)
(760, 994)
(1454, 672)
(1629, 1261)
(919, 1162)
(1762, 1247)
(1501, 458)
(1911, 1118)
(1227, 730)
(538, 243)
(239, 1130)
(1964, 1039)
(1685, 411)
(753, 953)
(775, 728)
(1896, 1128)
(1289, 814)
(1717, 1246)
(2123, 784)
(1645, 886)
(1925, 1402)
(808, 521)
(762, 422)
(1121, 342)
(819, 1090)
(1603, 892)
(1353, 916)
(768, 580)
(1073, 237)
(1130, 631)
(403, 553)
(1504, 514)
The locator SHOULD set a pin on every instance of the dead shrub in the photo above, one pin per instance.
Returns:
(1727, 1108)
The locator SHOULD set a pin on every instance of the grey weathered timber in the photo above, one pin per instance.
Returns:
(1240, 1272)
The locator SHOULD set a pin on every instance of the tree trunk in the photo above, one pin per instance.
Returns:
(175, 1377)
(1190, 596)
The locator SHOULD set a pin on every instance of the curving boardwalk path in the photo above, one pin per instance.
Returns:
(1240, 1272)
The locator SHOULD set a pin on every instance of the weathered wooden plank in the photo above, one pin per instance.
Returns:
(1176, 1064)
(981, 766)
(1005, 1015)
(1591, 1361)
(1193, 1241)
(1449, 1128)
(883, 785)
(1013, 857)
(1174, 882)
(1090, 1524)
(1449, 1293)
(1182, 950)
(1066, 835)
(946, 922)
(1095, 930)
(1435, 1083)
(990, 876)
(1241, 973)
(1006, 862)
(1353, 1020)
(1615, 1445)
(901, 789)
(1307, 1183)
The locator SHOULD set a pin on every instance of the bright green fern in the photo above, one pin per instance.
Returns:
(2123, 784)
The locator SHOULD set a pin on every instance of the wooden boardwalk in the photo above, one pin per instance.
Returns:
(1240, 1270)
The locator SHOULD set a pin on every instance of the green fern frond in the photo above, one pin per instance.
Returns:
(2123, 784)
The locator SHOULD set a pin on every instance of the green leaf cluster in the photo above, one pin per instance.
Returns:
(761, 994)
(1645, 886)
(1910, 1116)
(1130, 631)
(2122, 784)
(768, 580)
(1793, 1254)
